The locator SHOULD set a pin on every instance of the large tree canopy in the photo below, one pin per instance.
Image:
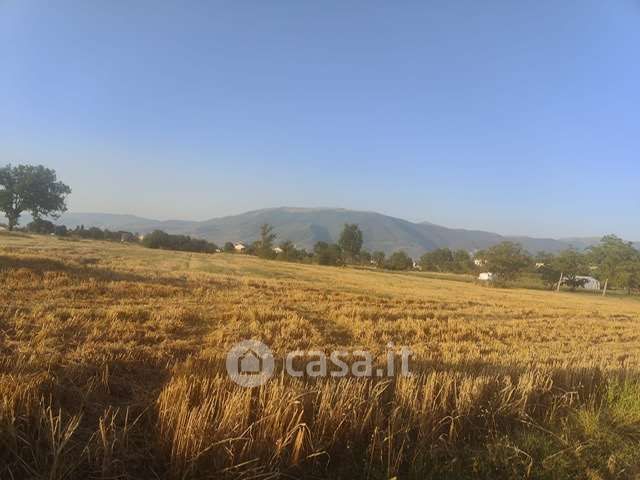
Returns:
(507, 260)
(618, 261)
(351, 241)
(328, 254)
(264, 246)
(571, 264)
(399, 261)
(34, 189)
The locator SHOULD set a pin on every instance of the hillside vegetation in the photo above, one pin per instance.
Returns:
(112, 366)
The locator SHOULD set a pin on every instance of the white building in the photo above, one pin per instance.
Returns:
(239, 247)
(479, 262)
(485, 277)
(277, 250)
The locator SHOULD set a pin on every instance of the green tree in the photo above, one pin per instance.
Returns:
(445, 260)
(365, 257)
(545, 267)
(616, 260)
(264, 246)
(229, 247)
(156, 239)
(549, 275)
(462, 261)
(544, 258)
(506, 260)
(61, 230)
(378, 258)
(399, 261)
(160, 239)
(304, 256)
(327, 254)
(629, 274)
(34, 189)
(438, 260)
(350, 241)
(41, 226)
(289, 252)
(96, 233)
(571, 264)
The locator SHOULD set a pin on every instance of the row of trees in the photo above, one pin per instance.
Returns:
(613, 260)
(265, 247)
(347, 251)
(96, 233)
(182, 243)
(46, 227)
(446, 260)
(323, 253)
(507, 261)
(156, 239)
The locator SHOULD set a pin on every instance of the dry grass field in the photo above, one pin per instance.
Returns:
(112, 366)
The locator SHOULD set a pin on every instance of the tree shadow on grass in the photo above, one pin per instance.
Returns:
(41, 265)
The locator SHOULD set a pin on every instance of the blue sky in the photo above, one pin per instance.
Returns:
(515, 117)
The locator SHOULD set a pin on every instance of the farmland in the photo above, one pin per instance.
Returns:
(112, 366)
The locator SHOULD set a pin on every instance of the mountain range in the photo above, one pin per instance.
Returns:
(306, 226)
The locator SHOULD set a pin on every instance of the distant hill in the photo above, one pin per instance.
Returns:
(306, 226)
(114, 221)
(101, 220)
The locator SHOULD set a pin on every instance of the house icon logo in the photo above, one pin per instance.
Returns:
(250, 363)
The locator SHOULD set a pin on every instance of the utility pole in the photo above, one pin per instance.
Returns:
(560, 281)
(606, 284)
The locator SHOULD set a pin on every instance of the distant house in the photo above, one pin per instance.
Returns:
(539, 264)
(239, 247)
(277, 250)
(485, 277)
(416, 265)
(479, 262)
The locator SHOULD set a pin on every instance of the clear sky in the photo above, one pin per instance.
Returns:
(515, 117)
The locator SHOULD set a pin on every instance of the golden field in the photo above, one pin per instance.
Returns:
(112, 367)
